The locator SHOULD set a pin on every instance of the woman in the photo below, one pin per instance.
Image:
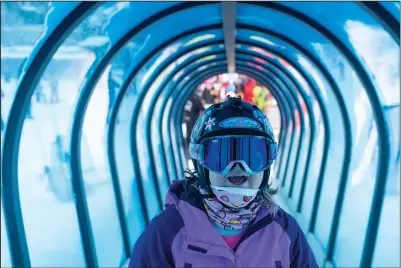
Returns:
(222, 215)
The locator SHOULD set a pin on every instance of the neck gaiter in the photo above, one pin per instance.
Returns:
(232, 208)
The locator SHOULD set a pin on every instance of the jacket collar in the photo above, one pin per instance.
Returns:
(197, 224)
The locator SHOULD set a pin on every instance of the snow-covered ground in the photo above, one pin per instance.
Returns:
(47, 201)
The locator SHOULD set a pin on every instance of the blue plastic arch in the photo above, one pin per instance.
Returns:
(186, 45)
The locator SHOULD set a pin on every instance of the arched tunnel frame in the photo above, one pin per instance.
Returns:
(31, 77)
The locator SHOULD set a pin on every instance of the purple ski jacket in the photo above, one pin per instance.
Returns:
(182, 236)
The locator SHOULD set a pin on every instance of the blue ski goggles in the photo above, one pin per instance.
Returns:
(219, 154)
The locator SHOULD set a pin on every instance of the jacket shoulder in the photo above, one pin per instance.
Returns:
(153, 247)
(300, 252)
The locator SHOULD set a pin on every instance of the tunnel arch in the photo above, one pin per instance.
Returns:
(188, 74)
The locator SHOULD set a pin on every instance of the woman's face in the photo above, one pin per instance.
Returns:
(237, 177)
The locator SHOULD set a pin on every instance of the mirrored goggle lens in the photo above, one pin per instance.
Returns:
(256, 152)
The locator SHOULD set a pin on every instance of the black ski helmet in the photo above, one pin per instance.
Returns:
(220, 119)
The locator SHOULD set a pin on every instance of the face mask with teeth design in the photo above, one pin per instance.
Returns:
(234, 197)
(232, 207)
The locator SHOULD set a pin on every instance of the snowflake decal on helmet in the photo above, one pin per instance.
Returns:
(210, 123)
(197, 130)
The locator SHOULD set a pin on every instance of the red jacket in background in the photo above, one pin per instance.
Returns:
(248, 90)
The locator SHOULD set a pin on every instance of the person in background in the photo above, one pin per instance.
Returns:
(248, 90)
(193, 108)
(207, 96)
(222, 214)
(239, 85)
(40, 92)
(217, 87)
(54, 94)
(260, 96)
(57, 172)
(230, 89)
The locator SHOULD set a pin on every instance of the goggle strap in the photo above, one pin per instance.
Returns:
(273, 151)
